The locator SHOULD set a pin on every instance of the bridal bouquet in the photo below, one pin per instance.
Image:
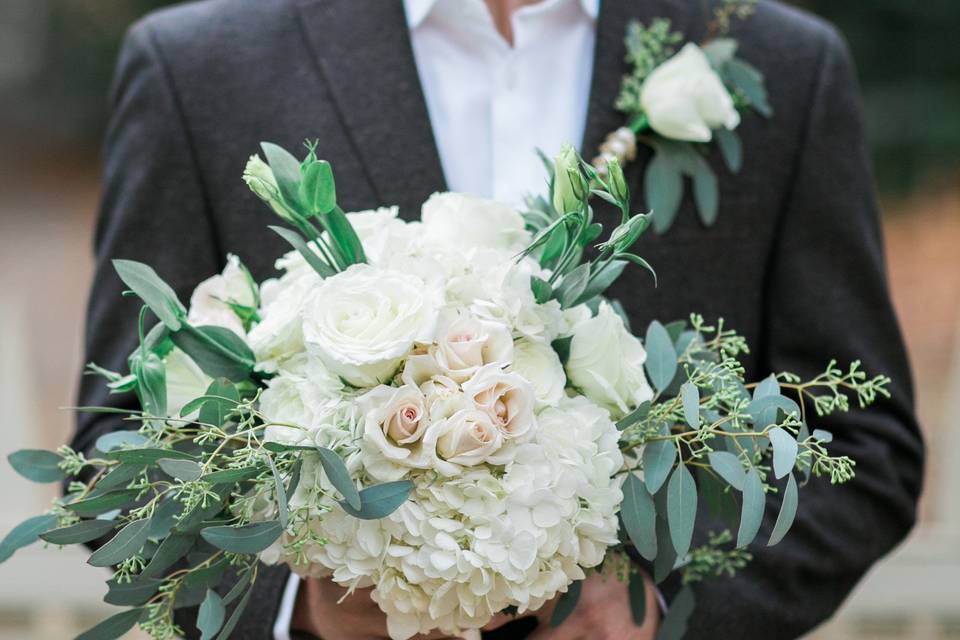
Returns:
(448, 411)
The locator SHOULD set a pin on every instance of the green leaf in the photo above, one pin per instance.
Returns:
(602, 281)
(219, 352)
(151, 375)
(730, 148)
(785, 451)
(131, 594)
(767, 387)
(223, 398)
(296, 241)
(232, 476)
(566, 603)
(658, 459)
(542, 290)
(555, 244)
(211, 615)
(250, 538)
(763, 410)
(719, 51)
(103, 503)
(788, 511)
(128, 541)
(339, 477)
(318, 192)
(823, 436)
(638, 598)
(343, 233)
(681, 508)
(380, 500)
(635, 416)
(674, 623)
(186, 470)
(690, 397)
(661, 363)
(573, 285)
(237, 612)
(37, 465)
(148, 455)
(83, 531)
(114, 626)
(706, 194)
(120, 439)
(640, 262)
(663, 186)
(562, 347)
(286, 170)
(207, 576)
(280, 494)
(173, 547)
(749, 81)
(751, 515)
(154, 292)
(25, 533)
(639, 517)
(728, 467)
(666, 558)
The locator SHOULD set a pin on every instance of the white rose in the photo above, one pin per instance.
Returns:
(463, 346)
(185, 382)
(394, 423)
(456, 220)
(538, 363)
(209, 302)
(443, 397)
(606, 363)
(684, 98)
(465, 439)
(363, 321)
(506, 397)
(279, 336)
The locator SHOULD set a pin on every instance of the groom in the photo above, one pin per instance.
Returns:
(408, 98)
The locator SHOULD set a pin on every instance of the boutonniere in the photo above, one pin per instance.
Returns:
(680, 102)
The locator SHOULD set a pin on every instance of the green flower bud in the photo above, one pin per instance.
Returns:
(616, 181)
(259, 177)
(570, 186)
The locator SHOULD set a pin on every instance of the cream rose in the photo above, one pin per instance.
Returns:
(363, 321)
(606, 363)
(463, 346)
(395, 419)
(506, 397)
(539, 364)
(209, 304)
(454, 221)
(443, 397)
(684, 98)
(465, 439)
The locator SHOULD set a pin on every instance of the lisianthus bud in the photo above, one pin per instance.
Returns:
(259, 177)
(570, 187)
(616, 180)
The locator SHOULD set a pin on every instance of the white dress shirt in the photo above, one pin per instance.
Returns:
(491, 104)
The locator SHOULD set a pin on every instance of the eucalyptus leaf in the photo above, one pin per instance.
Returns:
(666, 558)
(751, 515)
(380, 500)
(674, 623)
(785, 451)
(119, 440)
(173, 547)
(37, 465)
(823, 436)
(83, 531)
(663, 186)
(788, 511)
(637, 591)
(128, 541)
(133, 593)
(339, 477)
(154, 292)
(280, 494)
(690, 397)
(635, 416)
(658, 459)
(103, 503)
(706, 193)
(639, 517)
(237, 612)
(681, 508)
(763, 410)
(731, 148)
(223, 398)
(114, 626)
(661, 363)
(25, 533)
(210, 616)
(566, 603)
(728, 467)
(250, 538)
(186, 470)
(148, 455)
(232, 476)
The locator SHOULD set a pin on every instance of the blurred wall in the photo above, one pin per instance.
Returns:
(56, 58)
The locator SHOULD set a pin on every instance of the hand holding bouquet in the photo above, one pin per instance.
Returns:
(448, 411)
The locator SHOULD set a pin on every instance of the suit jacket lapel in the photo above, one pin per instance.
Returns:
(363, 52)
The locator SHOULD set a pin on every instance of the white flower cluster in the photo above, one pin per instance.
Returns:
(433, 363)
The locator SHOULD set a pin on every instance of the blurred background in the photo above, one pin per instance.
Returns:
(56, 59)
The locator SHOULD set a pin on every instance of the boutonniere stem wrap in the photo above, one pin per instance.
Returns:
(680, 102)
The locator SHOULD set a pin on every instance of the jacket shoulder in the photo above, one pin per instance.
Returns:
(787, 38)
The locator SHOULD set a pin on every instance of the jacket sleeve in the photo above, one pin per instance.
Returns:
(827, 296)
(153, 210)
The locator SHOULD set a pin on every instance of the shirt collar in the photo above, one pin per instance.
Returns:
(418, 10)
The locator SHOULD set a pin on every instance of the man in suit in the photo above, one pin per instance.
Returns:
(794, 262)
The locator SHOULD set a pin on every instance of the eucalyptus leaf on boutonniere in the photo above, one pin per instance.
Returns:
(679, 102)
